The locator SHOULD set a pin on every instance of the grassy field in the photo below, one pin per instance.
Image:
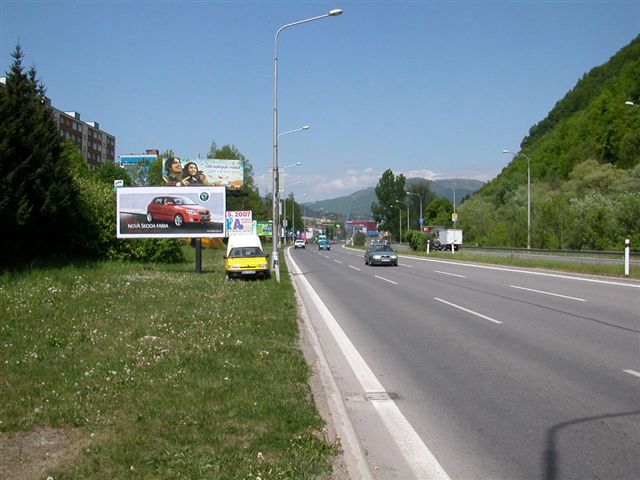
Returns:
(122, 370)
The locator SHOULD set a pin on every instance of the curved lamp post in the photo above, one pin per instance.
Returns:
(420, 197)
(528, 193)
(275, 266)
(304, 127)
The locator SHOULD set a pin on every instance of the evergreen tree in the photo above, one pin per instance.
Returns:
(38, 196)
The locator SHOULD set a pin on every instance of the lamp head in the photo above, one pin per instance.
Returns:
(306, 127)
(335, 12)
(630, 103)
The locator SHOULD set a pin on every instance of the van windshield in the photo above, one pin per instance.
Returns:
(246, 252)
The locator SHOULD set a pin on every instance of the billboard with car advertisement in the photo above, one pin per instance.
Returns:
(170, 212)
(207, 171)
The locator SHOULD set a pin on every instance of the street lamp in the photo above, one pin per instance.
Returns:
(399, 221)
(285, 222)
(293, 217)
(304, 127)
(420, 197)
(528, 193)
(275, 266)
(285, 197)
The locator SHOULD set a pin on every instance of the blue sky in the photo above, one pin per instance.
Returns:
(434, 89)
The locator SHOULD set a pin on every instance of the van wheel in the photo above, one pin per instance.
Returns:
(178, 220)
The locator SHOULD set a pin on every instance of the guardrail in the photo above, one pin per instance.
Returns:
(603, 253)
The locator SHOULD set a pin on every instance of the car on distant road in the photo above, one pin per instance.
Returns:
(299, 243)
(380, 255)
(177, 210)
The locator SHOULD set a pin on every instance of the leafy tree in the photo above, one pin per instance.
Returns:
(248, 198)
(293, 213)
(438, 212)
(390, 192)
(109, 171)
(477, 217)
(38, 199)
(155, 176)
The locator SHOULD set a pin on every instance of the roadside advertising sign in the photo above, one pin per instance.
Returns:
(264, 229)
(170, 212)
(239, 222)
(454, 217)
(136, 159)
(207, 171)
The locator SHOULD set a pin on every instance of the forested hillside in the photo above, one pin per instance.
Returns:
(585, 170)
(357, 206)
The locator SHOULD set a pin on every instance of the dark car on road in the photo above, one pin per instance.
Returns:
(177, 210)
(378, 254)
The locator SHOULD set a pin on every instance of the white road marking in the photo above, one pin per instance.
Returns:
(326, 256)
(467, 310)
(337, 261)
(386, 279)
(526, 272)
(452, 274)
(423, 463)
(632, 372)
(548, 293)
(355, 268)
(405, 265)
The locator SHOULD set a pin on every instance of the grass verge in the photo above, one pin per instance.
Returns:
(154, 371)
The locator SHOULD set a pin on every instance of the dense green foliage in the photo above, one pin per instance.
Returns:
(359, 239)
(584, 160)
(38, 198)
(391, 195)
(52, 205)
(248, 198)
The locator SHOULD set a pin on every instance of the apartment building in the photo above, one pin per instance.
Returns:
(97, 146)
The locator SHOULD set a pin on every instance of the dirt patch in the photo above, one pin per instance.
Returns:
(30, 455)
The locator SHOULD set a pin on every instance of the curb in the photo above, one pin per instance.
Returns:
(353, 456)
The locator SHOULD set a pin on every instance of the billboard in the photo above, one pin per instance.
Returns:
(208, 171)
(133, 159)
(264, 228)
(170, 212)
(239, 222)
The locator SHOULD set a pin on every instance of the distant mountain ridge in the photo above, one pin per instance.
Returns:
(358, 205)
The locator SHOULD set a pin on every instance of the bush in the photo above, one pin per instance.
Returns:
(359, 239)
(417, 240)
(99, 235)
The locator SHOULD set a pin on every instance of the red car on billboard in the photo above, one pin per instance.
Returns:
(177, 210)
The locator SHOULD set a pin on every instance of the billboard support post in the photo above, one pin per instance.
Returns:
(198, 244)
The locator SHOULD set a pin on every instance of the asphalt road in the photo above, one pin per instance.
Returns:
(501, 372)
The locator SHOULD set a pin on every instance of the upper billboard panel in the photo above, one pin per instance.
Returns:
(171, 212)
(219, 173)
(137, 159)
